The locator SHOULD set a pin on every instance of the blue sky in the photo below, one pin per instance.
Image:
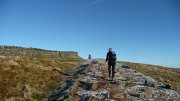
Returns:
(145, 31)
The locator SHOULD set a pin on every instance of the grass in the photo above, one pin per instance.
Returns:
(29, 79)
(163, 74)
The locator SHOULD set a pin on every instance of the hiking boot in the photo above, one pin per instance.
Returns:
(112, 79)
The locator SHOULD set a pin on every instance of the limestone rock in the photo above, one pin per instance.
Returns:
(95, 86)
(146, 95)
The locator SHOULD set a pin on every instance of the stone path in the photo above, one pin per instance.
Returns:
(129, 85)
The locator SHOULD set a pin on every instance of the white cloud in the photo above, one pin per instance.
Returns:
(95, 2)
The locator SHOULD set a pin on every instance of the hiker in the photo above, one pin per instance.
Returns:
(111, 59)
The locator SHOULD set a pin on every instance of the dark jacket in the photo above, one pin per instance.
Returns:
(111, 58)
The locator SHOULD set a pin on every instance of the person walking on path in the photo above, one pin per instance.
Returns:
(111, 59)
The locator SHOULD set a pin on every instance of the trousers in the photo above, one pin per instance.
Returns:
(111, 69)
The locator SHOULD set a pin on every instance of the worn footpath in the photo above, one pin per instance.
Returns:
(93, 84)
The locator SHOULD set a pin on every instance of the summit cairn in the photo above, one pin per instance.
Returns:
(89, 57)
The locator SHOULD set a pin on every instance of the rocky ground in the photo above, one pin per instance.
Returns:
(91, 83)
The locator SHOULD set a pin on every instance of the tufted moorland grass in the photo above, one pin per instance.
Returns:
(166, 75)
(29, 79)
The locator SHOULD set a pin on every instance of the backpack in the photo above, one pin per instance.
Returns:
(114, 56)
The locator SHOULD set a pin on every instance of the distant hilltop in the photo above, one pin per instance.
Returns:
(35, 52)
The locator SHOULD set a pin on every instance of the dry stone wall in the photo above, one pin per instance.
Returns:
(35, 52)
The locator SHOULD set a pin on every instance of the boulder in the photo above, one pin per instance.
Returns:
(146, 95)
(95, 86)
